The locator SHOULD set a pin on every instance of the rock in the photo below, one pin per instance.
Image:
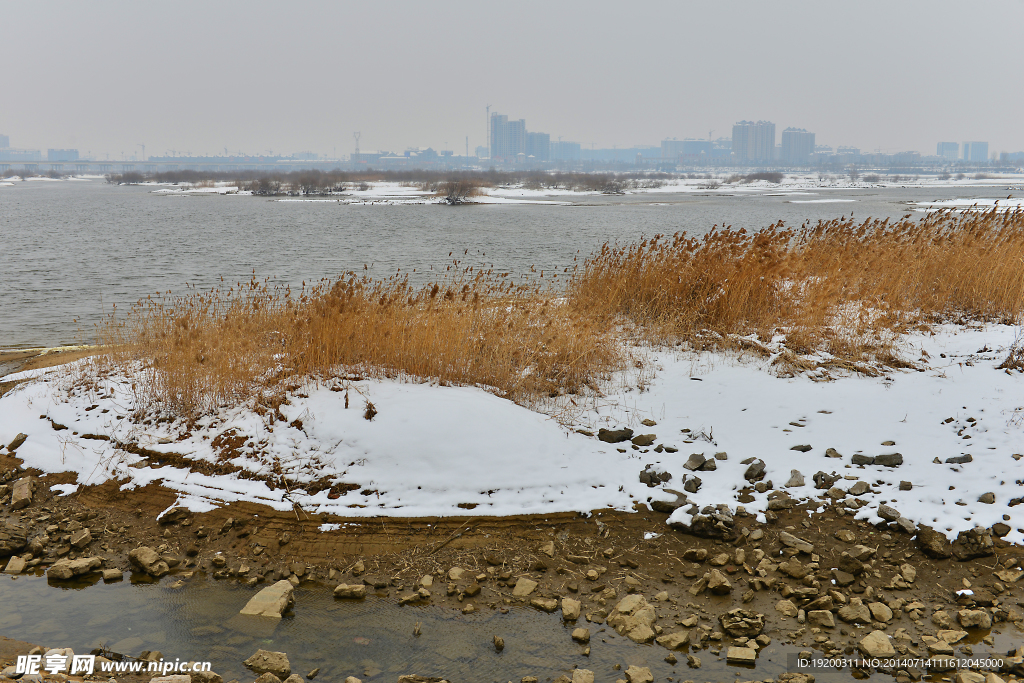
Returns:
(966, 676)
(999, 529)
(821, 618)
(842, 578)
(846, 536)
(581, 635)
(692, 484)
(544, 604)
(272, 601)
(639, 674)
(942, 620)
(786, 608)
(976, 542)
(836, 493)
(548, 549)
(960, 460)
(674, 641)
(906, 526)
(207, 677)
(669, 506)
(908, 572)
(173, 515)
(694, 462)
(859, 488)
(741, 655)
(456, 573)
(81, 539)
(889, 459)
(633, 618)
(855, 612)
(582, 676)
(742, 622)
(876, 644)
(824, 481)
(615, 435)
(499, 643)
(524, 587)
(268, 678)
(974, 618)
(754, 471)
(15, 565)
(906, 486)
(65, 569)
(149, 561)
(643, 440)
(792, 541)
(352, 591)
(718, 583)
(832, 453)
(889, 514)
(861, 459)
(695, 554)
(12, 539)
(794, 569)
(880, 612)
(803, 448)
(265, 661)
(23, 490)
(176, 678)
(795, 479)
(570, 609)
(933, 543)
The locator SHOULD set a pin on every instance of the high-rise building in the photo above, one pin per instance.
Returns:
(508, 138)
(975, 151)
(948, 150)
(797, 146)
(5, 141)
(753, 141)
(481, 151)
(688, 150)
(538, 146)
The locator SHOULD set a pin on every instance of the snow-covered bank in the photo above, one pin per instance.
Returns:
(436, 450)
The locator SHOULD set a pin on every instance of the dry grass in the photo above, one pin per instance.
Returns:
(226, 346)
(846, 288)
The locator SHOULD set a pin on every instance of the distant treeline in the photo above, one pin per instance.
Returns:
(337, 181)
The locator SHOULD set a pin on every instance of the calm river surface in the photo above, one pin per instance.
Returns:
(69, 250)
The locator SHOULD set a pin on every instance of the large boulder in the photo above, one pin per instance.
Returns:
(976, 542)
(273, 601)
(65, 569)
(147, 560)
(265, 661)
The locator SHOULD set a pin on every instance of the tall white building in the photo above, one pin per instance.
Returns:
(508, 138)
(948, 150)
(797, 146)
(753, 141)
(975, 151)
(5, 141)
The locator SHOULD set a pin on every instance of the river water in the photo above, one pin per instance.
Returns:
(70, 250)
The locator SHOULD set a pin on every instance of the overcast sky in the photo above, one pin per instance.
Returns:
(256, 76)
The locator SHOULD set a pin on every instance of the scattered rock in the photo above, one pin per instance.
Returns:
(15, 565)
(639, 674)
(742, 622)
(265, 661)
(976, 542)
(643, 440)
(272, 601)
(570, 609)
(859, 488)
(499, 643)
(524, 587)
(974, 618)
(889, 514)
(582, 676)
(846, 536)
(824, 481)
(906, 486)
(581, 635)
(821, 618)
(792, 541)
(855, 612)
(353, 591)
(18, 440)
(149, 561)
(933, 543)
(694, 462)
(615, 435)
(861, 459)
(674, 641)
(718, 583)
(880, 612)
(548, 549)
(81, 538)
(23, 490)
(12, 539)
(832, 453)
(741, 655)
(889, 459)
(545, 604)
(173, 516)
(633, 618)
(795, 479)
(960, 459)
(786, 608)
(754, 471)
(876, 644)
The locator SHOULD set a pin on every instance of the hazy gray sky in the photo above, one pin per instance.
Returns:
(258, 75)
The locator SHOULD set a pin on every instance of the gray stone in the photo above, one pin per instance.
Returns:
(861, 459)
(149, 561)
(795, 479)
(18, 440)
(694, 462)
(615, 435)
(889, 514)
(824, 481)
(803, 448)
(792, 541)
(832, 453)
(933, 543)
(754, 471)
(265, 661)
(876, 644)
(889, 459)
(987, 498)
(960, 459)
(643, 440)
(350, 591)
(976, 542)
(692, 484)
(272, 601)
(859, 488)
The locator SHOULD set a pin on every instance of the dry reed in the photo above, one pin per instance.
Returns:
(226, 346)
(838, 286)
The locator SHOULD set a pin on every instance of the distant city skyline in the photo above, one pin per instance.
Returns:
(112, 77)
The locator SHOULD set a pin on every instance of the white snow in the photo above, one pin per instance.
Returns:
(431, 449)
